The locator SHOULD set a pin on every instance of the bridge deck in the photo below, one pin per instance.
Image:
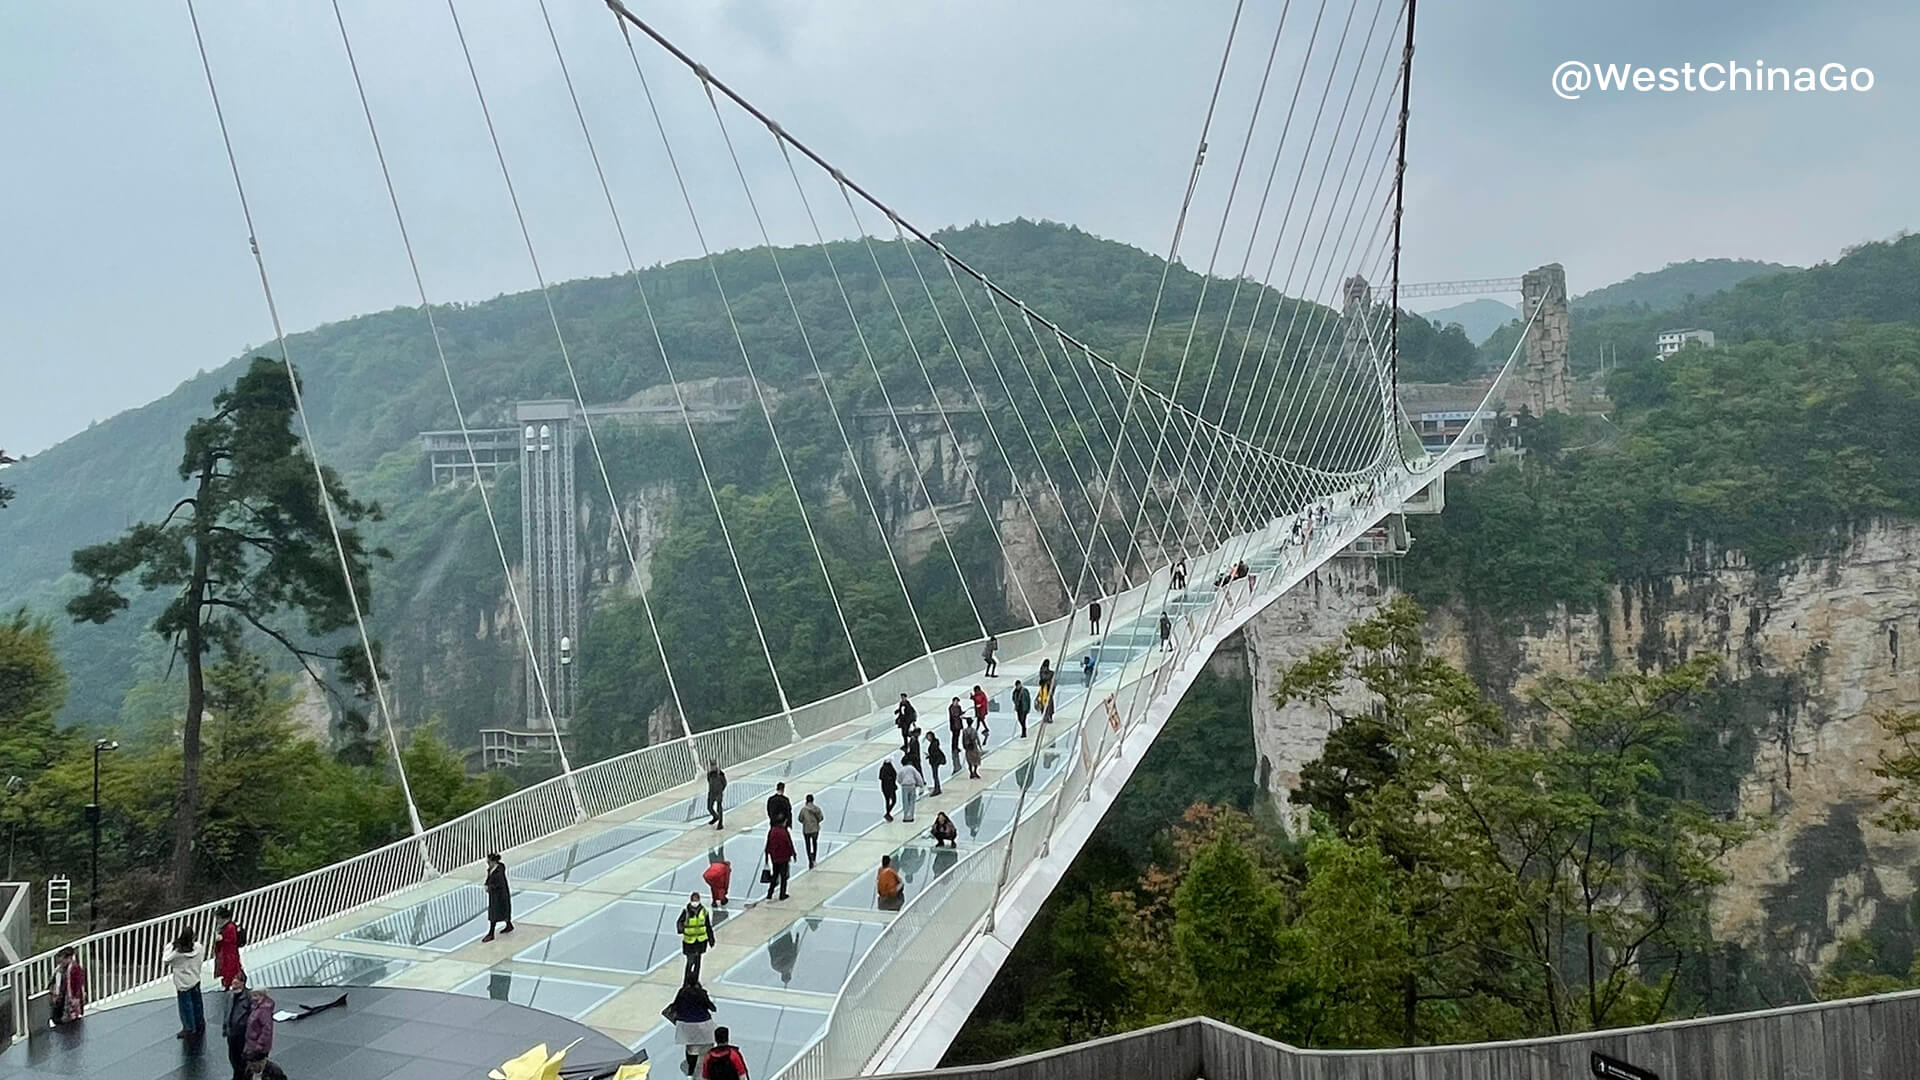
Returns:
(595, 903)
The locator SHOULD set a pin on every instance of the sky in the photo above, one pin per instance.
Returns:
(125, 268)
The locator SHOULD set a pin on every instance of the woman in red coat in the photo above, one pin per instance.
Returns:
(779, 857)
(226, 948)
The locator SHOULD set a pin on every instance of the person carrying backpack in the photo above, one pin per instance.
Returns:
(935, 759)
(970, 744)
(956, 719)
(723, 1062)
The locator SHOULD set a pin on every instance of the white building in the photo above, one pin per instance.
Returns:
(1672, 341)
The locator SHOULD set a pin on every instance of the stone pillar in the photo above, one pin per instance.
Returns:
(1545, 288)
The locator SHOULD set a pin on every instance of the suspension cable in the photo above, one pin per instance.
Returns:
(306, 435)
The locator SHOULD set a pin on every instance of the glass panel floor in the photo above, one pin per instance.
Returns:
(739, 794)
(804, 762)
(594, 856)
(633, 936)
(920, 866)
(1052, 760)
(571, 998)
(769, 1037)
(326, 967)
(814, 955)
(851, 807)
(445, 923)
(747, 852)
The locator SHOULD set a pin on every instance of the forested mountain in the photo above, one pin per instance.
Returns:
(373, 383)
(1675, 284)
(1793, 438)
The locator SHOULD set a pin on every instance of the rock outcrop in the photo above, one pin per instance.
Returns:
(1814, 650)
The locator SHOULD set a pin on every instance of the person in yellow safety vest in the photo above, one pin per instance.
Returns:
(696, 935)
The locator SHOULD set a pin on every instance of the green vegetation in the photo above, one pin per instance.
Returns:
(373, 383)
(1467, 875)
(1772, 449)
(1430, 352)
(256, 539)
(277, 802)
(1675, 284)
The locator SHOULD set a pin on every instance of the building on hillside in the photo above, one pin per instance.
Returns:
(1672, 341)
(1439, 425)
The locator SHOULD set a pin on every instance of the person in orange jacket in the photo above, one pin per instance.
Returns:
(719, 875)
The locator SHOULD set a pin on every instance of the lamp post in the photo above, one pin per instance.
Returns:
(100, 746)
(14, 786)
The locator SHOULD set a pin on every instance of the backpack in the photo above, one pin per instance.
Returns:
(720, 1064)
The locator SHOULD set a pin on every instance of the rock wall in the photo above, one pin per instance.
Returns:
(1814, 650)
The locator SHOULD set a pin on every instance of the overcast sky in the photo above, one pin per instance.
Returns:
(124, 267)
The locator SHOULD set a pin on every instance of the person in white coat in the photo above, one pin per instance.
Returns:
(183, 961)
(910, 781)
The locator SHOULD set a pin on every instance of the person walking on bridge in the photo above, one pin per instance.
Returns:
(779, 807)
(1022, 705)
(1180, 573)
(723, 1062)
(499, 897)
(780, 858)
(716, 791)
(1093, 615)
(1166, 633)
(696, 935)
(970, 741)
(987, 652)
(890, 782)
(811, 816)
(904, 717)
(981, 706)
(1087, 669)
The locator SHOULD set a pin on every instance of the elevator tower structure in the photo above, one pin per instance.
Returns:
(550, 546)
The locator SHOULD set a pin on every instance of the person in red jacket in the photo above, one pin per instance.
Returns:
(719, 875)
(780, 858)
(226, 948)
(723, 1062)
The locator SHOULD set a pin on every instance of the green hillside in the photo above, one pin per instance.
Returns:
(1799, 424)
(1675, 284)
(373, 383)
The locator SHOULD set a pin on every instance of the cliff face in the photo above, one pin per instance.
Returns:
(1812, 651)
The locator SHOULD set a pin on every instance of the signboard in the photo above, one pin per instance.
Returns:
(1609, 1068)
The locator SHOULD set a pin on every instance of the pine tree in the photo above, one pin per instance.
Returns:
(251, 546)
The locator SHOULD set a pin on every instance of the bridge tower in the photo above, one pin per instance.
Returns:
(550, 546)
(1544, 289)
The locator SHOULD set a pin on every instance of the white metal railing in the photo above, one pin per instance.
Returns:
(127, 959)
(890, 977)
